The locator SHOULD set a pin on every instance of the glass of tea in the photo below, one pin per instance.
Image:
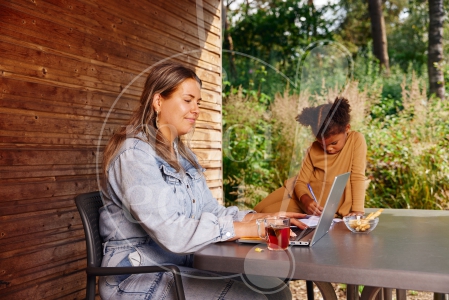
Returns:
(277, 232)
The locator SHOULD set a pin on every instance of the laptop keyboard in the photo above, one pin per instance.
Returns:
(300, 233)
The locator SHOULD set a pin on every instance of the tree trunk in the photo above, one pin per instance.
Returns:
(379, 34)
(435, 53)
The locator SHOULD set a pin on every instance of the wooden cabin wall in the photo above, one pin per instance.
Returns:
(70, 73)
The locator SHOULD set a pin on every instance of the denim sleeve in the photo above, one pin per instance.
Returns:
(212, 205)
(152, 204)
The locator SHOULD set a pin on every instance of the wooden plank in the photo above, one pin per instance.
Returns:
(61, 70)
(205, 145)
(24, 16)
(49, 61)
(50, 71)
(45, 73)
(30, 121)
(207, 115)
(24, 173)
(72, 185)
(38, 221)
(211, 164)
(21, 139)
(18, 207)
(64, 64)
(38, 157)
(213, 174)
(212, 97)
(17, 245)
(217, 193)
(45, 141)
(102, 27)
(189, 11)
(213, 6)
(59, 187)
(49, 68)
(207, 135)
(159, 18)
(45, 286)
(54, 98)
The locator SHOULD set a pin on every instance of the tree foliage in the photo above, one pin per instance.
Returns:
(408, 161)
(275, 32)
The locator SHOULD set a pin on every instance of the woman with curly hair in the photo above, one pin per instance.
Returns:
(336, 150)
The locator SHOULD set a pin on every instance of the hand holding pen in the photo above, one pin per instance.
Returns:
(313, 206)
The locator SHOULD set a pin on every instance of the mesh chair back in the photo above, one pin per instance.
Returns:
(88, 205)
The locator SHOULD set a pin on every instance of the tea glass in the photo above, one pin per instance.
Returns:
(275, 231)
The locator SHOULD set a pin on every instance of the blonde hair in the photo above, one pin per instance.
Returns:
(163, 79)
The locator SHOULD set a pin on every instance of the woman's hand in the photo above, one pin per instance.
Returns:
(294, 216)
(245, 229)
(310, 206)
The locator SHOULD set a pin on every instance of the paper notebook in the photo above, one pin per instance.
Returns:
(313, 234)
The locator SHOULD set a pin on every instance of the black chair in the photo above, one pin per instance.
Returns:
(88, 205)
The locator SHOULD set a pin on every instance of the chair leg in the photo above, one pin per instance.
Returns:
(327, 290)
(90, 287)
(380, 295)
(370, 292)
(352, 292)
(309, 288)
(401, 294)
(438, 296)
(388, 293)
(178, 281)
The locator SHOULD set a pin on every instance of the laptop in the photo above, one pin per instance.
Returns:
(311, 235)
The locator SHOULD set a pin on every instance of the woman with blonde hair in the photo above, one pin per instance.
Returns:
(158, 208)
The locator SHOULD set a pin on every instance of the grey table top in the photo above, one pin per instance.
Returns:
(409, 249)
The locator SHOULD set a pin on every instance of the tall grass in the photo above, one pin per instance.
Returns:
(408, 161)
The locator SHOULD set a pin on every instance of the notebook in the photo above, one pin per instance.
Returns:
(311, 235)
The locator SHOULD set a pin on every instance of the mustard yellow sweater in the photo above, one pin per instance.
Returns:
(319, 169)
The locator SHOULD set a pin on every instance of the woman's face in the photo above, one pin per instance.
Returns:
(334, 143)
(178, 113)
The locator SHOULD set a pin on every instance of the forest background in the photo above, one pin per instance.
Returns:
(389, 58)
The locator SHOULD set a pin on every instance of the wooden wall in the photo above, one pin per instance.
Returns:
(63, 66)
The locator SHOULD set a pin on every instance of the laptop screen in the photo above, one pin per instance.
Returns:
(330, 207)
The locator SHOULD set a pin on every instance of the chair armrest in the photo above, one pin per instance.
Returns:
(105, 271)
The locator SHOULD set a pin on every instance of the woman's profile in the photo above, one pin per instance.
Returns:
(158, 208)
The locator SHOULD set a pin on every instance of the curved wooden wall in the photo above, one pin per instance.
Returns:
(63, 66)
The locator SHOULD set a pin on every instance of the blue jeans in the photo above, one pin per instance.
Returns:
(197, 284)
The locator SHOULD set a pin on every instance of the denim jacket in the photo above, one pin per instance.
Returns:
(145, 199)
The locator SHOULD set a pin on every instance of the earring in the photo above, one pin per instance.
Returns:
(157, 119)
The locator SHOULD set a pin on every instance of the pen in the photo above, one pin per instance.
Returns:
(313, 195)
(314, 198)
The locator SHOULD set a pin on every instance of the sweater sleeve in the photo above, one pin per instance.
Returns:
(304, 176)
(358, 179)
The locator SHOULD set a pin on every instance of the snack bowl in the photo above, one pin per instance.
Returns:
(362, 225)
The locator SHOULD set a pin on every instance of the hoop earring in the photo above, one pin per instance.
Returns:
(157, 119)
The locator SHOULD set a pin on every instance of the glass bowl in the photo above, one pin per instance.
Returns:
(361, 226)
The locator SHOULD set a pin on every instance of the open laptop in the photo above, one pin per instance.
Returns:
(311, 235)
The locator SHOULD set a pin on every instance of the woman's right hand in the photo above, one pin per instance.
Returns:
(310, 206)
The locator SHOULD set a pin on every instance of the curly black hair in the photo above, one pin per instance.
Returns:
(326, 119)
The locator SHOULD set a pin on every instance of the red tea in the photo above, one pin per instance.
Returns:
(278, 237)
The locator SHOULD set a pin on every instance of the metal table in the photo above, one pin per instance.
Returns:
(409, 250)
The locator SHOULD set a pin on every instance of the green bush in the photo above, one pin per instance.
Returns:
(407, 159)
(407, 137)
